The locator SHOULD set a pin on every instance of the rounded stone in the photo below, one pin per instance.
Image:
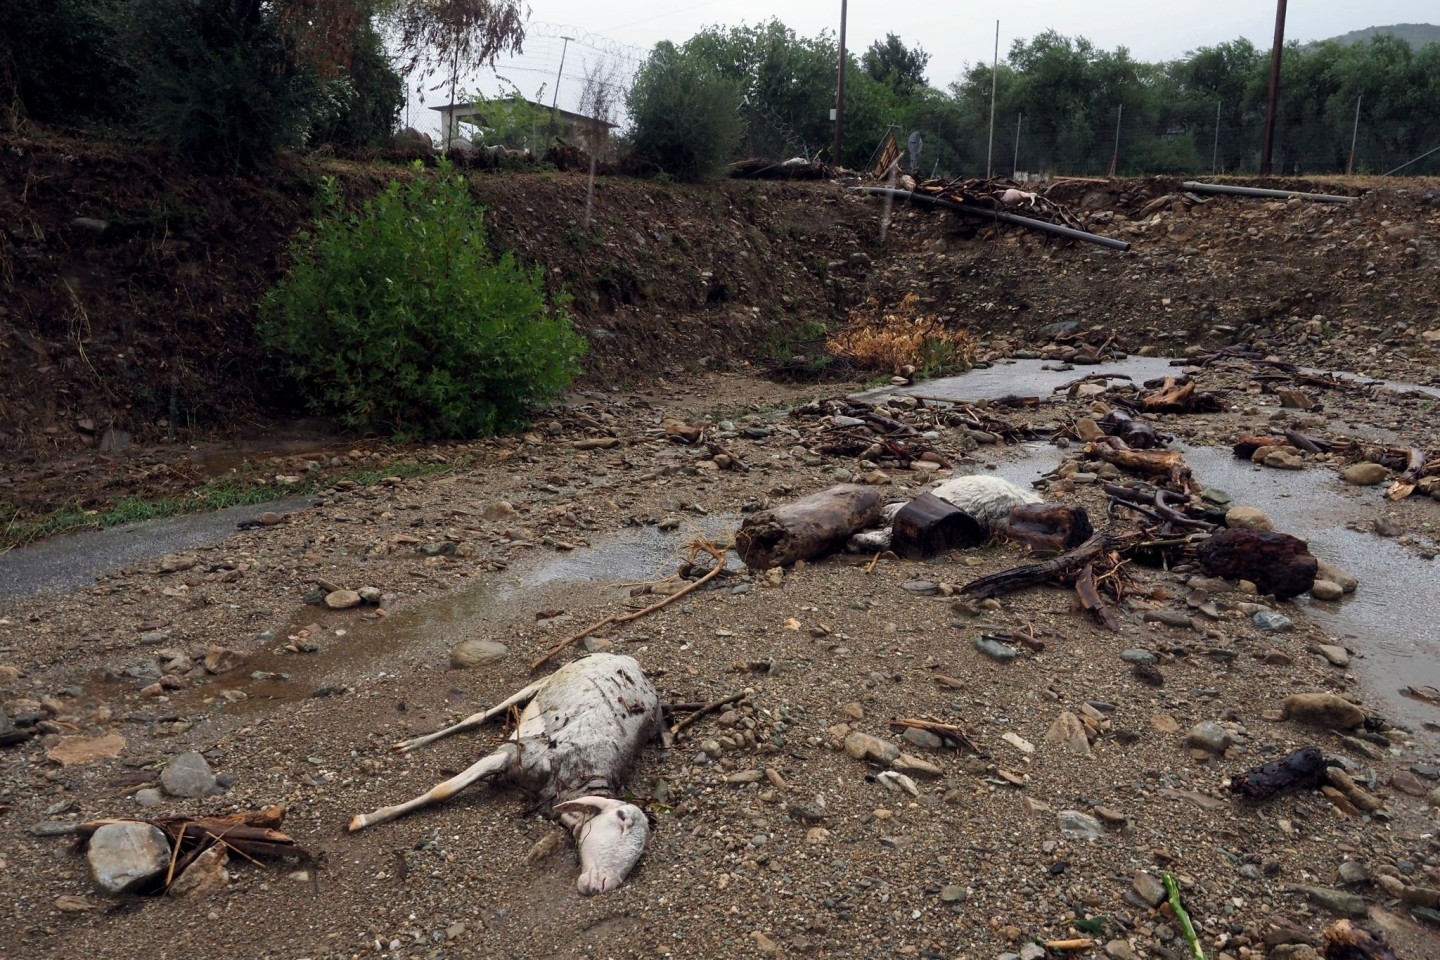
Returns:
(1364, 474)
(476, 652)
(343, 599)
(1247, 518)
(1325, 590)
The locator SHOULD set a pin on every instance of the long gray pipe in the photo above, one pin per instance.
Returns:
(983, 214)
(1226, 189)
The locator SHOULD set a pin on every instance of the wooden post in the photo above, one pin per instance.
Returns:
(1276, 52)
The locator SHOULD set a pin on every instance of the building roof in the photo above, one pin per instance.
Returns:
(472, 110)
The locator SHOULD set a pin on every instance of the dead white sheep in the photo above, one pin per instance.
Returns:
(578, 737)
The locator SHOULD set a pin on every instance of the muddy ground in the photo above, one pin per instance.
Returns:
(770, 839)
(815, 857)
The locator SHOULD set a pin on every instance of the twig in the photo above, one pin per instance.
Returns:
(874, 560)
(717, 552)
(708, 708)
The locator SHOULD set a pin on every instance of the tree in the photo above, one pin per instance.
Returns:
(686, 115)
(897, 66)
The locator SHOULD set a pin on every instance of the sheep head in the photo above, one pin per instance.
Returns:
(611, 836)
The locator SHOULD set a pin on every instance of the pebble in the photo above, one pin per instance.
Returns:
(1272, 622)
(1328, 710)
(189, 775)
(1069, 731)
(123, 855)
(1120, 950)
(862, 746)
(1326, 590)
(343, 599)
(1364, 474)
(1211, 736)
(222, 659)
(1248, 518)
(1079, 826)
(1336, 901)
(1333, 574)
(1150, 889)
(476, 652)
(1139, 655)
(995, 650)
(1337, 655)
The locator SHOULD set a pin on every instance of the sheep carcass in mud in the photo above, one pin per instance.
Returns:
(580, 734)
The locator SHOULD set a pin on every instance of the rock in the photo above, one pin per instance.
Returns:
(952, 893)
(204, 876)
(78, 751)
(11, 734)
(1337, 901)
(1248, 518)
(995, 650)
(475, 652)
(1353, 871)
(125, 855)
(909, 763)
(189, 775)
(1138, 655)
(1069, 731)
(1120, 950)
(149, 797)
(1337, 655)
(862, 746)
(853, 710)
(1326, 590)
(1079, 826)
(177, 563)
(1281, 460)
(1364, 474)
(1272, 622)
(499, 510)
(1332, 573)
(371, 595)
(1293, 951)
(1211, 736)
(343, 599)
(1407, 782)
(1327, 710)
(222, 659)
(1018, 742)
(1151, 890)
(922, 738)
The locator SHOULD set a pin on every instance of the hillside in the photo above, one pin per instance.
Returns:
(1415, 34)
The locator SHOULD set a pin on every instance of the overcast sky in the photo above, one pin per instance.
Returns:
(954, 34)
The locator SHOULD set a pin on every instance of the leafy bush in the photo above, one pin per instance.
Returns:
(215, 81)
(60, 61)
(397, 318)
(371, 96)
(686, 116)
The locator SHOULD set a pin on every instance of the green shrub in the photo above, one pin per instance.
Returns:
(60, 61)
(215, 81)
(397, 318)
(686, 117)
(371, 95)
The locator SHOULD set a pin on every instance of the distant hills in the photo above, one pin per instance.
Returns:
(1415, 34)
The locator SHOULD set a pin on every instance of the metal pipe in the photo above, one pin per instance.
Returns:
(984, 214)
(1275, 54)
(1223, 188)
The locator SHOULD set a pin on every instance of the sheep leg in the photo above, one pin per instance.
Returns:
(473, 721)
(489, 767)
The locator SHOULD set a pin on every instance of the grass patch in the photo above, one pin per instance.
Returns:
(18, 530)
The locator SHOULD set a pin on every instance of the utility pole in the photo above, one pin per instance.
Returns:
(558, 74)
(994, 79)
(840, 90)
(1276, 52)
(1354, 136)
(1015, 163)
(1215, 151)
(1115, 157)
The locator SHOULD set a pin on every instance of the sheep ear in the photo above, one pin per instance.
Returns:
(583, 805)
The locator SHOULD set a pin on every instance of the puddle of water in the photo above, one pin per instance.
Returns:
(73, 560)
(478, 609)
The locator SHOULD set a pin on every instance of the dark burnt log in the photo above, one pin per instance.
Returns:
(1136, 433)
(1048, 527)
(1345, 941)
(928, 525)
(1179, 396)
(1277, 563)
(1302, 770)
(808, 528)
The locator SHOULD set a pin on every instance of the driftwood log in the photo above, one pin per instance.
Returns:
(1067, 566)
(1302, 770)
(1277, 563)
(1048, 527)
(1167, 464)
(808, 528)
(928, 525)
(1179, 396)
